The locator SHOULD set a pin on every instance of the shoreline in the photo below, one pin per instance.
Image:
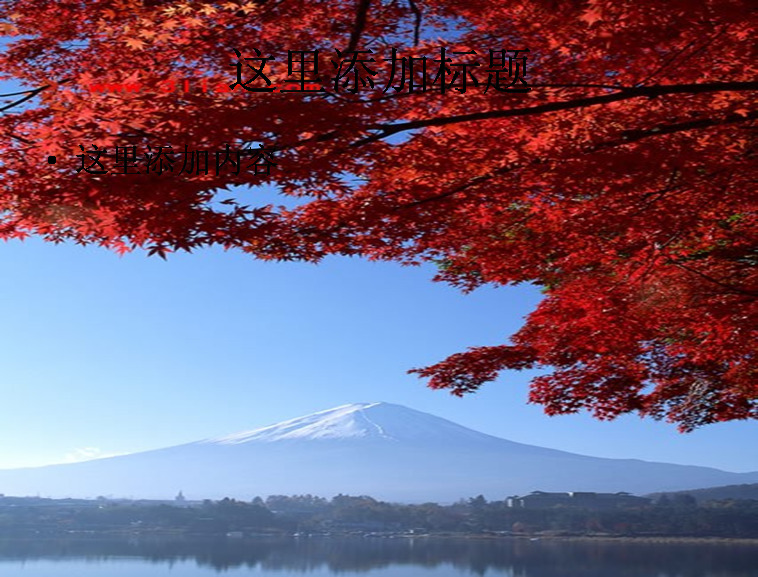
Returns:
(660, 539)
(625, 539)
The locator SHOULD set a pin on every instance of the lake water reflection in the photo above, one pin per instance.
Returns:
(371, 557)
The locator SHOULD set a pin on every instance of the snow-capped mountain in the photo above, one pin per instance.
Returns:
(359, 421)
(387, 451)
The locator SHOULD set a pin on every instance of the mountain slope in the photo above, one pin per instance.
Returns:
(739, 492)
(379, 449)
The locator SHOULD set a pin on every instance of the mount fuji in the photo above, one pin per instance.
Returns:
(387, 451)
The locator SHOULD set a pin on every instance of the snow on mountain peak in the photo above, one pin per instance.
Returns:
(377, 421)
(343, 422)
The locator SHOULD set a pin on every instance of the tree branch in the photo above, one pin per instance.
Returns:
(464, 186)
(673, 57)
(729, 287)
(628, 136)
(386, 130)
(359, 26)
(29, 95)
(417, 25)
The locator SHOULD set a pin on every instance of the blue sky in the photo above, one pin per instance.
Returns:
(106, 354)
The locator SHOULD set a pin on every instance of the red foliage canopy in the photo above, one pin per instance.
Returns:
(623, 183)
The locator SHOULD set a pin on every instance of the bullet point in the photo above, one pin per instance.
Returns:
(51, 160)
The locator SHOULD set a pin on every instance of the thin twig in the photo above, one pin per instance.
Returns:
(417, 25)
(359, 26)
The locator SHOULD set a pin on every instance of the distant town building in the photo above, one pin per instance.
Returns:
(180, 500)
(587, 500)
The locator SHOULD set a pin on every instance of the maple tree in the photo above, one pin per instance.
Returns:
(623, 183)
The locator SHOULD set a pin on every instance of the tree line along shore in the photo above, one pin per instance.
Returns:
(675, 516)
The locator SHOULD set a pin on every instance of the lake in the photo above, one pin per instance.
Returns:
(371, 557)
